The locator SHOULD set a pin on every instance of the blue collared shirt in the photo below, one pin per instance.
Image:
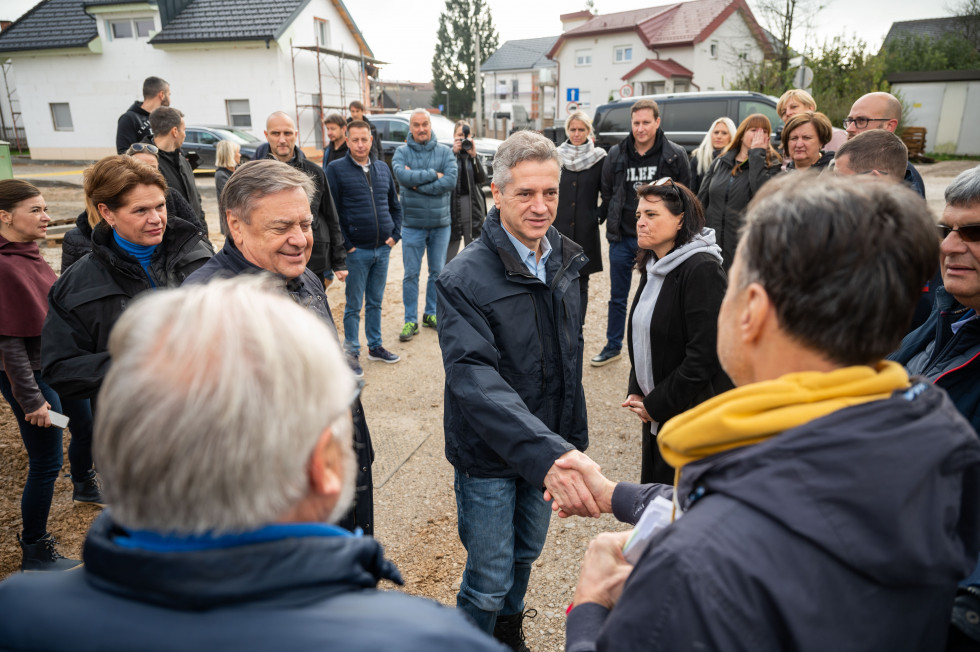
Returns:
(536, 267)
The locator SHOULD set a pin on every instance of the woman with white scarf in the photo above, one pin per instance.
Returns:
(578, 196)
(672, 326)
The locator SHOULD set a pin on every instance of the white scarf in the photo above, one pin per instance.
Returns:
(580, 157)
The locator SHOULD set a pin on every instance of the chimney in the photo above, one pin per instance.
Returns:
(573, 20)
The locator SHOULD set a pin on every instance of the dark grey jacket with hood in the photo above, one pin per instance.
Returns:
(848, 533)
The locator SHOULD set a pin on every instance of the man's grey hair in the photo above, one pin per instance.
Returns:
(213, 432)
(965, 189)
(424, 112)
(164, 119)
(254, 180)
(519, 147)
(843, 263)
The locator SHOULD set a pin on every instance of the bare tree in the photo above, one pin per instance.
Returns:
(785, 19)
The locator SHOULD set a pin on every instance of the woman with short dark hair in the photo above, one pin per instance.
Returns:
(672, 326)
(804, 137)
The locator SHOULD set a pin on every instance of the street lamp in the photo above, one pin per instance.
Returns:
(446, 93)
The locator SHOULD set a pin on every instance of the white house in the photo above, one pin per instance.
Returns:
(688, 46)
(79, 64)
(520, 73)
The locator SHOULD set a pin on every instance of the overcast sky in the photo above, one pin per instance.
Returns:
(404, 33)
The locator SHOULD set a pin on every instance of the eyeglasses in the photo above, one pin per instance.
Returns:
(144, 147)
(968, 232)
(862, 122)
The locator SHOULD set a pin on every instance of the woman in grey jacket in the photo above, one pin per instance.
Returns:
(734, 178)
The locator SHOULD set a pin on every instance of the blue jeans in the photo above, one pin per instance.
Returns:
(367, 272)
(503, 523)
(44, 454)
(622, 258)
(415, 242)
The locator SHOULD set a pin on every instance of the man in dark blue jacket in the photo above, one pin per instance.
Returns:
(511, 344)
(226, 457)
(370, 220)
(946, 348)
(826, 503)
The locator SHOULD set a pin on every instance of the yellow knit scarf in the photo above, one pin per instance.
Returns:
(753, 413)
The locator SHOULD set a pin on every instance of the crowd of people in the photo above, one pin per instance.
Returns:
(810, 462)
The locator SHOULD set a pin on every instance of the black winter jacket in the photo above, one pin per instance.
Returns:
(470, 172)
(89, 297)
(369, 213)
(78, 241)
(673, 163)
(133, 126)
(307, 291)
(578, 213)
(299, 593)
(684, 330)
(328, 244)
(512, 350)
(725, 197)
(848, 533)
(953, 364)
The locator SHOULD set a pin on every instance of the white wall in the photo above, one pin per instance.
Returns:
(946, 110)
(604, 77)
(100, 87)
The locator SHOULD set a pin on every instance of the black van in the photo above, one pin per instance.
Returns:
(685, 117)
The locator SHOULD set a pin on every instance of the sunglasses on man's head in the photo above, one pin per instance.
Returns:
(968, 232)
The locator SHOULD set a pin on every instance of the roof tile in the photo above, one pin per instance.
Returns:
(49, 25)
(521, 54)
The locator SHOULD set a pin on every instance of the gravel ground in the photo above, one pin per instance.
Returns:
(414, 503)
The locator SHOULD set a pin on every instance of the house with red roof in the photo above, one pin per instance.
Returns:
(701, 45)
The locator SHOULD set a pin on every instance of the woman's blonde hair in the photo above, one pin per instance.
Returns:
(581, 117)
(225, 154)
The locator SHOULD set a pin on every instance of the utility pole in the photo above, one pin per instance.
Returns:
(478, 123)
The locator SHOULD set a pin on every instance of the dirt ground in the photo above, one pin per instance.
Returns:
(414, 502)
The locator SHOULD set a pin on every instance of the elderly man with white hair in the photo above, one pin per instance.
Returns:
(426, 171)
(225, 457)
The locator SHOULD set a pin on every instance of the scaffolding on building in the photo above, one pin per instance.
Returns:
(336, 88)
(14, 113)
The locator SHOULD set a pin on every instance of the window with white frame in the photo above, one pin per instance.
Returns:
(130, 28)
(623, 53)
(583, 57)
(502, 89)
(322, 32)
(239, 114)
(584, 99)
(515, 87)
(61, 116)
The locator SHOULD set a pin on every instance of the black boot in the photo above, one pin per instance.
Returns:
(510, 632)
(43, 556)
(88, 490)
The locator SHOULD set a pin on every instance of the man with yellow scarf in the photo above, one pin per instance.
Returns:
(828, 502)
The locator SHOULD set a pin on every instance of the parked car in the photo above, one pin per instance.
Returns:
(203, 141)
(393, 131)
(686, 117)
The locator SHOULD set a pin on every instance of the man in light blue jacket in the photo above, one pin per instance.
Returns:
(426, 172)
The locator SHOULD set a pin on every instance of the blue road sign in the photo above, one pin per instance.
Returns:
(571, 95)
